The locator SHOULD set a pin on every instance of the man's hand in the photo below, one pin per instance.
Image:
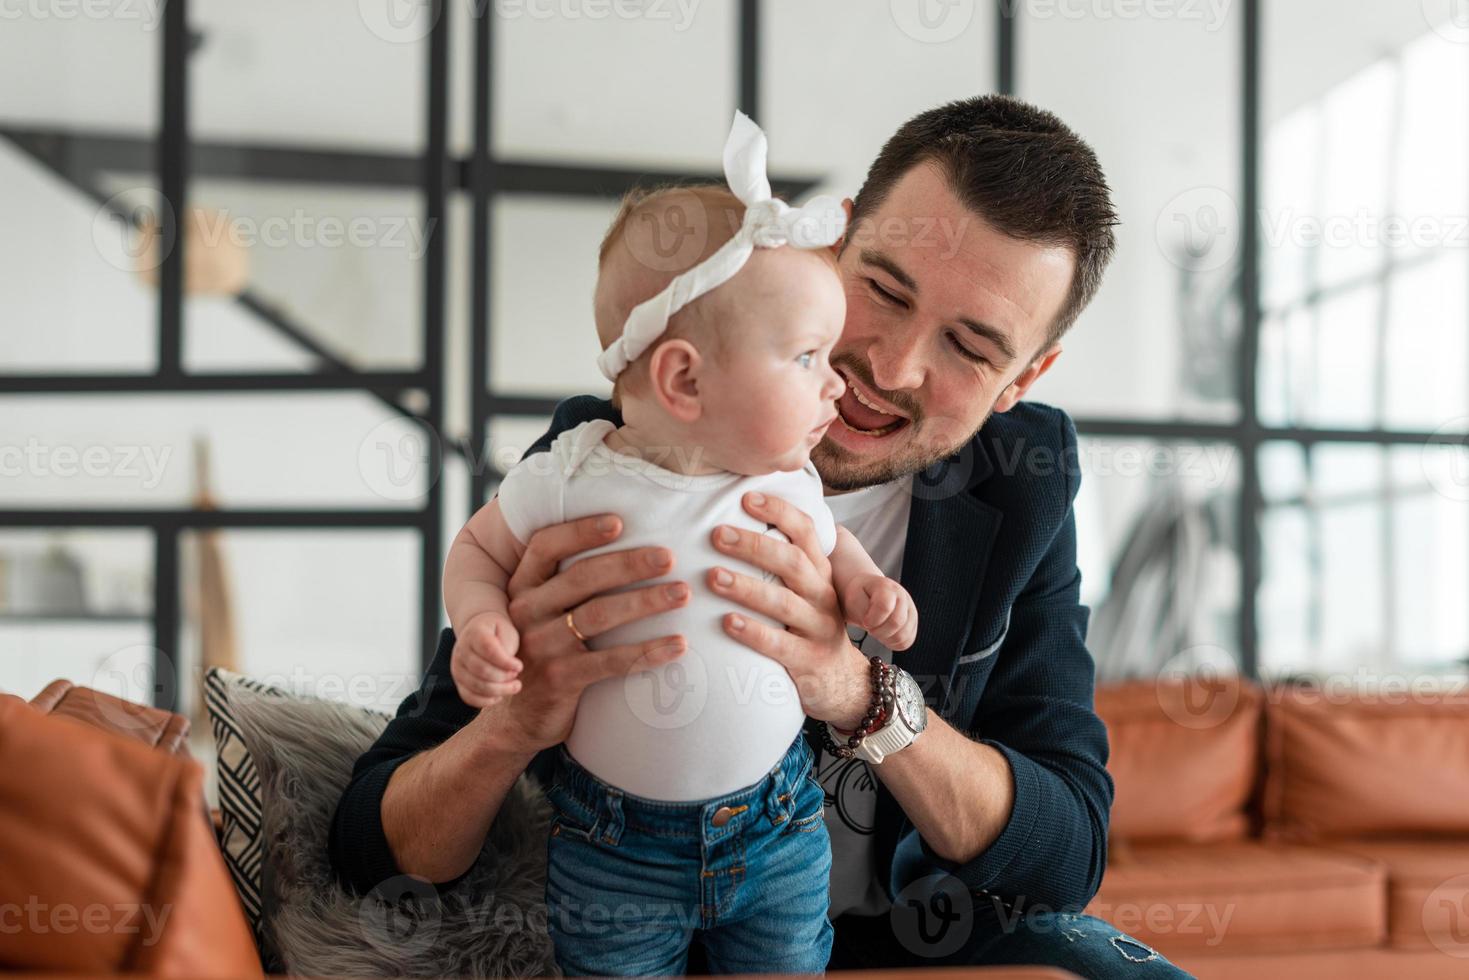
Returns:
(831, 674)
(484, 666)
(556, 665)
(883, 608)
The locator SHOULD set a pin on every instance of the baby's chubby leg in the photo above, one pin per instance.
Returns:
(627, 909)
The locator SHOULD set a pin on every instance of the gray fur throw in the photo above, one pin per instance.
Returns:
(492, 923)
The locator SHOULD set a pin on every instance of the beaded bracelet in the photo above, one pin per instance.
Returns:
(878, 710)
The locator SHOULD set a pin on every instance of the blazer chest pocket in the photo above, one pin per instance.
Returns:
(971, 670)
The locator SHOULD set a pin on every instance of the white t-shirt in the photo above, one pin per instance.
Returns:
(878, 517)
(716, 719)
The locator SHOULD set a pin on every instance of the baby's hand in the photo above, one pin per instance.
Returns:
(484, 666)
(883, 608)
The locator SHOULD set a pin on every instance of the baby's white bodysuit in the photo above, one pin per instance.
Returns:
(720, 716)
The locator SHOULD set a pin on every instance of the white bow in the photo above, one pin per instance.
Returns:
(768, 223)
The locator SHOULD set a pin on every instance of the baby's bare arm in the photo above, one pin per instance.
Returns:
(481, 560)
(849, 560)
(869, 598)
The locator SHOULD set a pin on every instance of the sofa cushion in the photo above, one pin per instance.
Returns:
(152, 726)
(241, 839)
(1427, 891)
(1184, 757)
(105, 844)
(1348, 765)
(1243, 896)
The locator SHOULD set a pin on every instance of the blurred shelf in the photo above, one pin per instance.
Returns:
(45, 618)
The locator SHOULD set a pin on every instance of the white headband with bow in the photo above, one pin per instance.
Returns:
(768, 223)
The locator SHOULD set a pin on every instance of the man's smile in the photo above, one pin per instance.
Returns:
(866, 414)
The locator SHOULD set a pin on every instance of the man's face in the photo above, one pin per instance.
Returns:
(946, 318)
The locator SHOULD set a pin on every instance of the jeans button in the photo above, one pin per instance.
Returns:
(724, 814)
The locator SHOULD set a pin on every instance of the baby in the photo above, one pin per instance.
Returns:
(684, 798)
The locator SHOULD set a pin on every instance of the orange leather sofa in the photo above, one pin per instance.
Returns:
(110, 861)
(108, 857)
(1290, 832)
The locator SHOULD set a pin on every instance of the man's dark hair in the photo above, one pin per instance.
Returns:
(1018, 167)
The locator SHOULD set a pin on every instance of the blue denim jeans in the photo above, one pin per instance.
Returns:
(632, 882)
(949, 933)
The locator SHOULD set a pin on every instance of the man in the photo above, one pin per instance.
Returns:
(981, 232)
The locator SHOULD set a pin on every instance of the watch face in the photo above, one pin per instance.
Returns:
(910, 702)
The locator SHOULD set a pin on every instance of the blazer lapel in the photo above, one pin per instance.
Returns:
(950, 535)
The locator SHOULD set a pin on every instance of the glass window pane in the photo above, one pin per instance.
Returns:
(1158, 340)
(620, 83)
(334, 450)
(1157, 552)
(328, 613)
(543, 339)
(1366, 141)
(74, 299)
(1365, 559)
(829, 106)
(291, 266)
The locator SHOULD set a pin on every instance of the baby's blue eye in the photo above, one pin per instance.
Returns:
(805, 359)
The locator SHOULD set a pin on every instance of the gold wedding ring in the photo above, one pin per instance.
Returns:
(571, 625)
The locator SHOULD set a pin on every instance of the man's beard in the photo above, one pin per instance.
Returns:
(841, 470)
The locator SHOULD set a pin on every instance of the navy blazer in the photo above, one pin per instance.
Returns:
(1001, 654)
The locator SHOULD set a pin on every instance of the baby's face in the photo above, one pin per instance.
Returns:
(772, 394)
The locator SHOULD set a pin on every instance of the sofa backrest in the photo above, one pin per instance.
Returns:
(1184, 757)
(106, 849)
(1349, 763)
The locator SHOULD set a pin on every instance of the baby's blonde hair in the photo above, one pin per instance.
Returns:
(658, 233)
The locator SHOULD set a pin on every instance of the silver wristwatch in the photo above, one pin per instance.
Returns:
(908, 720)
